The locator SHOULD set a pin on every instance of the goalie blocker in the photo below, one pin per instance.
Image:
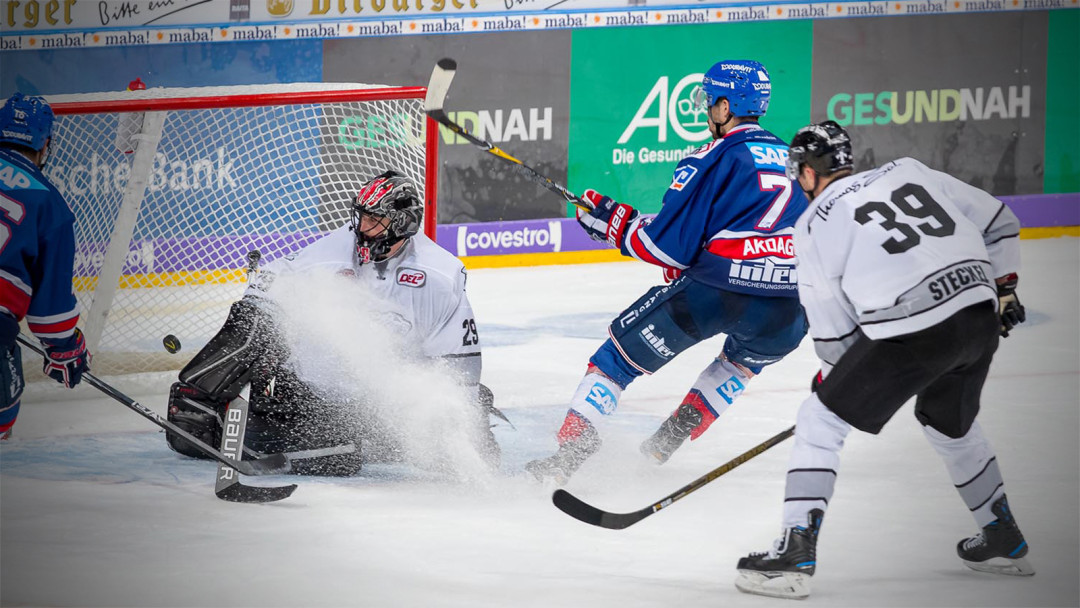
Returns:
(286, 415)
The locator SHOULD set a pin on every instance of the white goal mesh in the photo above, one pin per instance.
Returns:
(171, 188)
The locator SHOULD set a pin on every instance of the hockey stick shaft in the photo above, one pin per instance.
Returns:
(276, 463)
(582, 511)
(438, 86)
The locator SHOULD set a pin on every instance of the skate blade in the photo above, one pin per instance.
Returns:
(1003, 565)
(786, 585)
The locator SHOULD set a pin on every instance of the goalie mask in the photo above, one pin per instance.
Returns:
(392, 208)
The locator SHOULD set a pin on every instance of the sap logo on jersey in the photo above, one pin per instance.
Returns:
(682, 177)
(15, 179)
(602, 399)
(411, 278)
(769, 155)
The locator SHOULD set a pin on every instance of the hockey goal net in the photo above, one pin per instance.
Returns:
(172, 188)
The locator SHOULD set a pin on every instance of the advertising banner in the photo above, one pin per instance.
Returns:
(501, 94)
(92, 70)
(524, 236)
(1062, 170)
(972, 104)
(631, 113)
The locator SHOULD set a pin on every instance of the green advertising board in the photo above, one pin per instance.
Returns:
(1062, 171)
(631, 118)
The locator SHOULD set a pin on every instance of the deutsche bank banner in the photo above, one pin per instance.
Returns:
(206, 183)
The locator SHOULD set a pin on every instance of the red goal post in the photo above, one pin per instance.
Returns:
(172, 187)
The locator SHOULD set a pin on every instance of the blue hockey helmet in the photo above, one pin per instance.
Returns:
(743, 82)
(26, 121)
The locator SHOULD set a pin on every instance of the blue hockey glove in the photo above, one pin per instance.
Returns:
(66, 361)
(1009, 306)
(608, 220)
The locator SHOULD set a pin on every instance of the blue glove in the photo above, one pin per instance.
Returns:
(608, 220)
(66, 361)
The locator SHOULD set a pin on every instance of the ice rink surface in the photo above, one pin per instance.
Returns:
(96, 511)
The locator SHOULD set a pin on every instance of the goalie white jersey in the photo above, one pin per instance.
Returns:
(422, 289)
(896, 250)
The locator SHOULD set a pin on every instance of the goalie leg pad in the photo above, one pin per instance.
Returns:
(189, 410)
(249, 337)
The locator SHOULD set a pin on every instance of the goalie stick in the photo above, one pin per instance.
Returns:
(233, 428)
(269, 465)
(582, 511)
(441, 77)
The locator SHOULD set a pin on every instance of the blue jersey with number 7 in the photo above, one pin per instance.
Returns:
(728, 217)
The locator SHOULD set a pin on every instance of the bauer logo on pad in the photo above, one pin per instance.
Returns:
(410, 277)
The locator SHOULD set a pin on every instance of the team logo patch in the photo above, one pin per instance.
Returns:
(602, 399)
(411, 278)
(656, 342)
(730, 389)
(682, 177)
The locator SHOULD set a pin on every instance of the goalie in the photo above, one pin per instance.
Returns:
(382, 250)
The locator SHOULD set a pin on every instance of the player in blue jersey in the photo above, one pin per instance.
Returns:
(37, 256)
(723, 238)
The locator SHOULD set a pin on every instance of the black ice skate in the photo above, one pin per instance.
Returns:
(1000, 547)
(558, 467)
(672, 433)
(785, 570)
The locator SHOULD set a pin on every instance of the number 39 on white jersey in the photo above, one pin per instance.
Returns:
(896, 250)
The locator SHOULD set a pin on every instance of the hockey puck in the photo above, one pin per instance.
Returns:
(171, 343)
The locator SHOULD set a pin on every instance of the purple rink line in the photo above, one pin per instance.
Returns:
(1045, 210)
(564, 234)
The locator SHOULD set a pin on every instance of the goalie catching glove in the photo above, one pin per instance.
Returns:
(1009, 306)
(608, 220)
(67, 360)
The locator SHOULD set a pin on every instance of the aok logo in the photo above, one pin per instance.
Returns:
(665, 106)
(941, 105)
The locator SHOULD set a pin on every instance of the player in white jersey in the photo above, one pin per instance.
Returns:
(419, 289)
(908, 277)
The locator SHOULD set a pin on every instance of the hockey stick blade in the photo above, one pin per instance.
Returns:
(238, 492)
(582, 511)
(439, 85)
(228, 486)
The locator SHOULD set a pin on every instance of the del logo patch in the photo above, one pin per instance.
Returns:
(682, 177)
(410, 277)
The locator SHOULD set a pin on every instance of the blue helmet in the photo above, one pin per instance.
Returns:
(744, 83)
(26, 121)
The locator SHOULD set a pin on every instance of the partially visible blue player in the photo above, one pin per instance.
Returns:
(37, 256)
(723, 238)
